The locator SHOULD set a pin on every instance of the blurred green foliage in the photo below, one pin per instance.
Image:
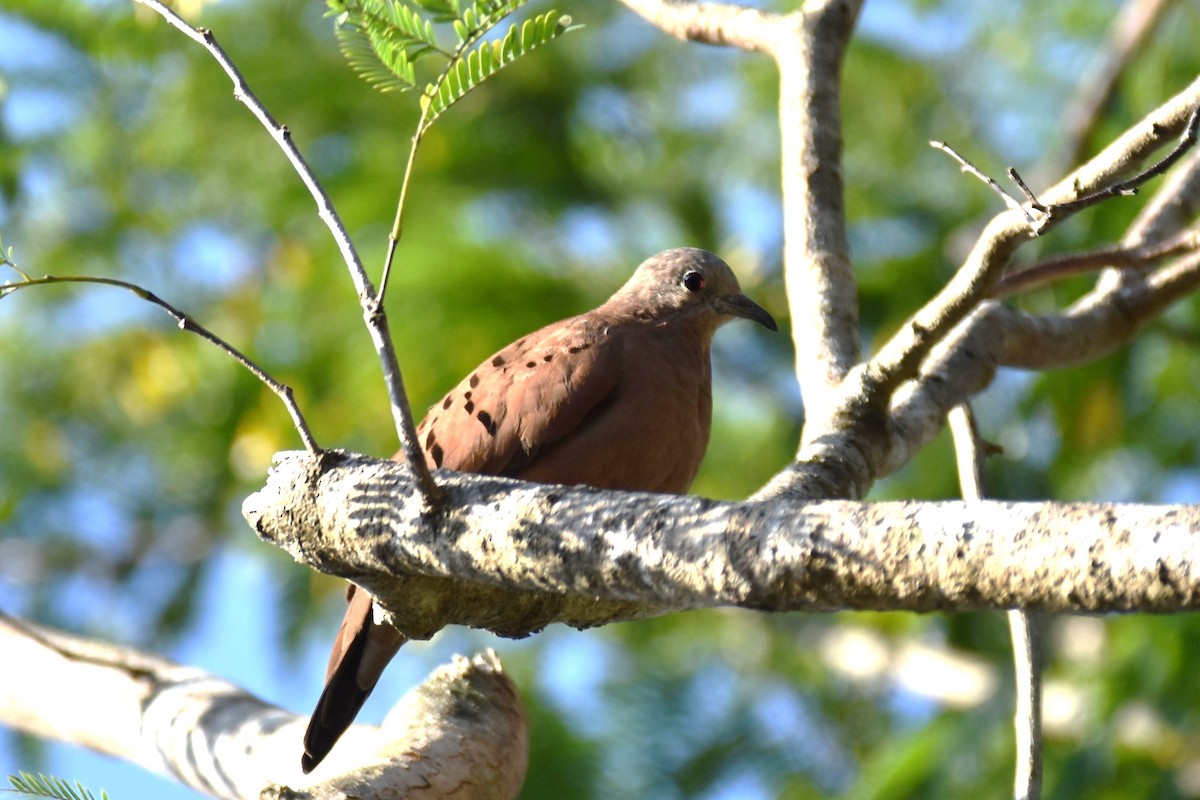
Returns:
(126, 447)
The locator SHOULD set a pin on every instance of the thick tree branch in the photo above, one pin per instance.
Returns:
(461, 733)
(514, 557)
(821, 286)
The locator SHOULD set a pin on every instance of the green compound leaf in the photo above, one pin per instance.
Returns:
(485, 59)
(40, 785)
(386, 68)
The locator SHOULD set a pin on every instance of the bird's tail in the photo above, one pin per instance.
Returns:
(360, 653)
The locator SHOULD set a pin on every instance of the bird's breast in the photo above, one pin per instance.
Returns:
(651, 432)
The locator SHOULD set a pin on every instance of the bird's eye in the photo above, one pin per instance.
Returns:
(693, 281)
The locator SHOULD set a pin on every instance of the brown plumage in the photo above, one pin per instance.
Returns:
(617, 398)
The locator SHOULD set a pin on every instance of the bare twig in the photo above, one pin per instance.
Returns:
(1010, 201)
(1171, 208)
(1129, 186)
(1123, 156)
(971, 452)
(186, 323)
(373, 313)
(1030, 198)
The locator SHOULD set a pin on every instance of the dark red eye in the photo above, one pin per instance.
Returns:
(693, 281)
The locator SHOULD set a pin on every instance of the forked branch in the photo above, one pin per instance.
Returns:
(373, 314)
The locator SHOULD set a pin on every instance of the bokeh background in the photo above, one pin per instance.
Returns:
(126, 447)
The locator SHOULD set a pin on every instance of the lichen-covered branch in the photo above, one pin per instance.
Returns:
(460, 733)
(514, 557)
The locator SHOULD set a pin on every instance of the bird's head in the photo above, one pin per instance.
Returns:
(688, 284)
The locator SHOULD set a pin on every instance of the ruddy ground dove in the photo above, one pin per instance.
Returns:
(616, 398)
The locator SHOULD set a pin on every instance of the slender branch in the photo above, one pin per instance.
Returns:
(970, 169)
(1114, 256)
(398, 222)
(1132, 148)
(373, 313)
(186, 323)
(971, 453)
(418, 134)
(1171, 208)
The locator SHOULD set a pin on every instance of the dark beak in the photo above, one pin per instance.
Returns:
(739, 305)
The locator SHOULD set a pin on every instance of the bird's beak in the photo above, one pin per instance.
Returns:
(739, 305)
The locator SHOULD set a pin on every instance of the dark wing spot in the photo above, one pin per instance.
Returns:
(530, 364)
(469, 406)
(429, 440)
(474, 380)
(436, 452)
(520, 342)
(498, 361)
(467, 394)
(578, 348)
(488, 423)
(446, 403)
(548, 357)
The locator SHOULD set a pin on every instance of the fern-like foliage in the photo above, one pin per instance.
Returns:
(481, 60)
(49, 786)
(384, 39)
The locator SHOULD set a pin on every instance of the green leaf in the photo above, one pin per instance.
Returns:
(49, 786)
(386, 71)
(409, 29)
(442, 10)
(481, 62)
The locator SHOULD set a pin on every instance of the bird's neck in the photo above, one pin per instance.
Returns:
(697, 327)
